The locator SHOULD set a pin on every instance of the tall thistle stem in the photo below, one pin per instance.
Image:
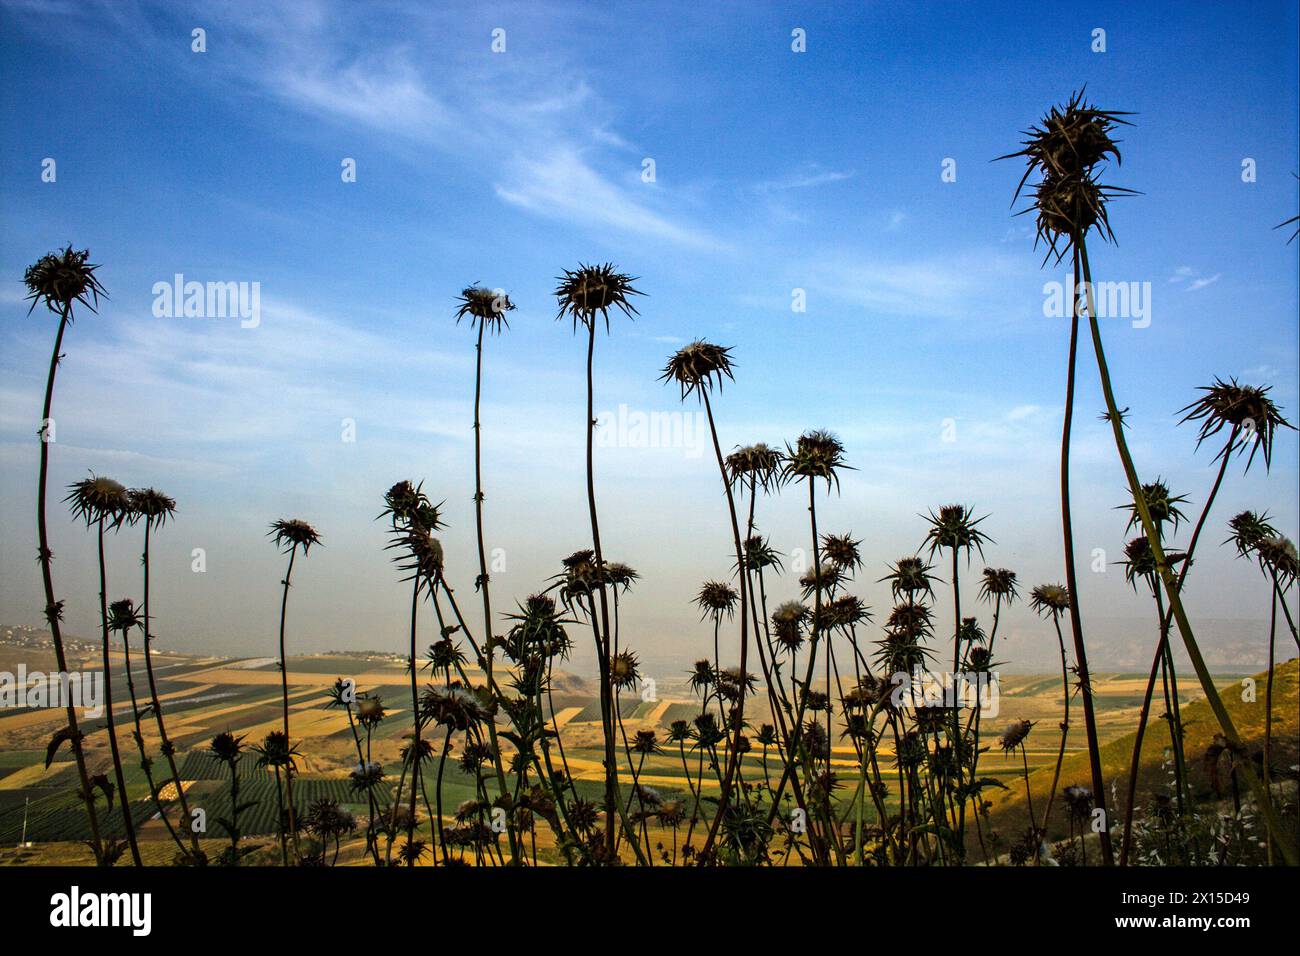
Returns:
(415, 752)
(489, 642)
(1165, 622)
(123, 798)
(1065, 722)
(613, 799)
(137, 734)
(742, 568)
(959, 840)
(1268, 711)
(797, 751)
(613, 804)
(53, 610)
(284, 703)
(1263, 798)
(1072, 578)
(166, 745)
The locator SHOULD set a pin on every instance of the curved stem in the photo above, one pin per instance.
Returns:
(415, 752)
(53, 609)
(739, 716)
(1262, 797)
(123, 798)
(284, 702)
(166, 745)
(1065, 723)
(1072, 579)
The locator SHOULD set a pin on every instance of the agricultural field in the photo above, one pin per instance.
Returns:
(206, 696)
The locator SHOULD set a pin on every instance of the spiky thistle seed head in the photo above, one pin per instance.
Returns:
(61, 278)
(276, 751)
(758, 464)
(841, 550)
(706, 730)
(100, 499)
(1067, 207)
(122, 616)
(454, 706)
(407, 506)
(672, 813)
(955, 527)
(370, 710)
(444, 654)
(1078, 799)
(999, 584)
(1139, 561)
(580, 561)
(420, 555)
(646, 742)
(759, 554)
(1051, 599)
(848, 610)
(152, 505)
(702, 675)
(621, 575)
(1251, 417)
(290, 533)
(1162, 506)
(487, 307)
(539, 630)
(733, 683)
(697, 367)
(980, 659)
(788, 621)
(623, 670)
(816, 454)
(910, 620)
(1070, 138)
(826, 579)
(910, 576)
(591, 291)
(226, 747)
(1278, 555)
(902, 652)
(716, 599)
(970, 632)
(1248, 529)
(1065, 150)
(1015, 734)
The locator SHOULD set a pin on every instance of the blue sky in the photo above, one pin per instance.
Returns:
(775, 171)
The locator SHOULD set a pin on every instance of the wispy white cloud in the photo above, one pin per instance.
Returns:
(527, 129)
(562, 184)
(1195, 280)
(807, 177)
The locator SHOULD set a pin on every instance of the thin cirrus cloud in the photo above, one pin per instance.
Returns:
(520, 129)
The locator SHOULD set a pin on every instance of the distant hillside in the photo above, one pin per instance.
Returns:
(1009, 816)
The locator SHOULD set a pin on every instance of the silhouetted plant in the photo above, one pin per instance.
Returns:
(1053, 600)
(105, 504)
(587, 294)
(60, 281)
(290, 535)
